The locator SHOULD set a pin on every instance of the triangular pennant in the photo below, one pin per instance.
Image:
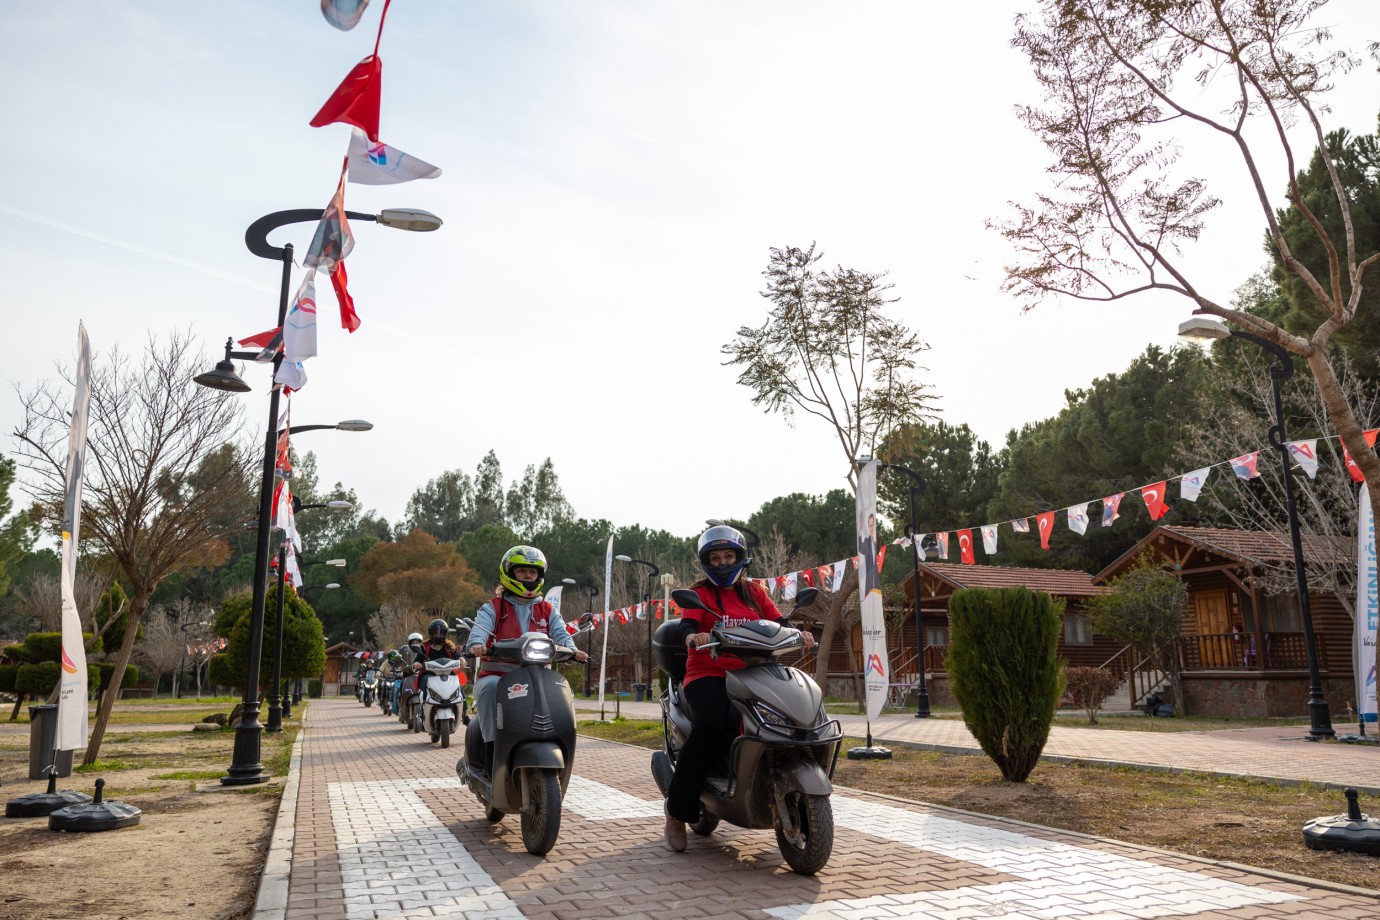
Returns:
(965, 547)
(1021, 525)
(1045, 521)
(1244, 465)
(1154, 500)
(989, 538)
(1305, 454)
(1190, 484)
(1078, 518)
(1110, 506)
(1351, 466)
(943, 540)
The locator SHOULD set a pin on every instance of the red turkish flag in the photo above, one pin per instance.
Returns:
(349, 319)
(826, 573)
(808, 576)
(965, 547)
(1351, 466)
(356, 100)
(1046, 525)
(881, 556)
(1154, 500)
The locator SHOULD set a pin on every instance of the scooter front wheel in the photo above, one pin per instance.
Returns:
(541, 823)
(814, 817)
(443, 729)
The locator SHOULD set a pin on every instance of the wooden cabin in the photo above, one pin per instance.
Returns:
(338, 677)
(938, 582)
(1242, 644)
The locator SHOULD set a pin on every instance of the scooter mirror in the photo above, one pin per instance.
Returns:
(585, 619)
(688, 599)
(806, 596)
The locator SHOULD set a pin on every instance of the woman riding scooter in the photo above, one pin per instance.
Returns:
(518, 608)
(731, 599)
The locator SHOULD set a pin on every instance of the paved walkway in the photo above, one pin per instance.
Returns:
(374, 824)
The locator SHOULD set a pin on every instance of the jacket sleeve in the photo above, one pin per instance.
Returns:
(484, 623)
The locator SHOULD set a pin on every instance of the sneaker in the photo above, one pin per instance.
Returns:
(675, 835)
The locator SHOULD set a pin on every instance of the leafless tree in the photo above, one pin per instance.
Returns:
(163, 647)
(164, 476)
(40, 598)
(1127, 85)
(395, 619)
(829, 350)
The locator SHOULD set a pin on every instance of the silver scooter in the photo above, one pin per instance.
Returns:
(780, 766)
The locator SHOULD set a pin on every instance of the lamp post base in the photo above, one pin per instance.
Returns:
(1319, 720)
(274, 723)
(245, 768)
(922, 704)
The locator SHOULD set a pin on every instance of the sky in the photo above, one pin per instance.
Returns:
(614, 175)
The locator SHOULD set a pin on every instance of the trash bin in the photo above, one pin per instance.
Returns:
(43, 721)
(639, 692)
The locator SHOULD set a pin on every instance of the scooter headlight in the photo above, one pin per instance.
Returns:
(538, 650)
(770, 716)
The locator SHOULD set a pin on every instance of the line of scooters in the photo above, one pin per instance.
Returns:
(780, 766)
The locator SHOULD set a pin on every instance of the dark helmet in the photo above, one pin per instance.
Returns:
(437, 630)
(721, 536)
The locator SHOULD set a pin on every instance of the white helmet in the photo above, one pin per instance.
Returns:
(415, 637)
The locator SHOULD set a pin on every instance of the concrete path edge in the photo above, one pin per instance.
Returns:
(271, 903)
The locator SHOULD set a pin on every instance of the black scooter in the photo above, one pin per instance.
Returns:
(780, 766)
(534, 740)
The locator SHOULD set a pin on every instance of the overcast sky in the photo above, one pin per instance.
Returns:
(614, 175)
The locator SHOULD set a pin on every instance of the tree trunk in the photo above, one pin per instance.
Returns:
(18, 702)
(831, 625)
(132, 620)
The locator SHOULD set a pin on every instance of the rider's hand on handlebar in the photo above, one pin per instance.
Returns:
(809, 638)
(476, 650)
(697, 639)
(581, 655)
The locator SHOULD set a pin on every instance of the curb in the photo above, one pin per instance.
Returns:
(271, 903)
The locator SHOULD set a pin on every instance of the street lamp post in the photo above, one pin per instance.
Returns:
(647, 611)
(278, 708)
(593, 592)
(245, 766)
(183, 665)
(1199, 327)
(915, 487)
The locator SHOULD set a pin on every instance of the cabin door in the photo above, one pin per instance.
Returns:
(1214, 628)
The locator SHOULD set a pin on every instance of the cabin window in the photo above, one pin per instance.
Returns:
(1077, 629)
(1280, 613)
(937, 636)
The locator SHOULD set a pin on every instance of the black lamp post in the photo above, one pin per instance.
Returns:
(183, 665)
(647, 611)
(915, 487)
(245, 766)
(278, 707)
(1199, 327)
(593, 592)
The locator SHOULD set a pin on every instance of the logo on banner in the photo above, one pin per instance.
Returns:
(874, 663)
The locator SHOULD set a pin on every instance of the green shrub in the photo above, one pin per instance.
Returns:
(107, 671)
(220, 674)
(1004, 672)
(8, 673)
(314, 688)
(45, 646)
(37, 679)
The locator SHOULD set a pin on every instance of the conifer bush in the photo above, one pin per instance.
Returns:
(1005, 673)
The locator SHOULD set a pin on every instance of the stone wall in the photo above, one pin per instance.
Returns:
(1262, 696)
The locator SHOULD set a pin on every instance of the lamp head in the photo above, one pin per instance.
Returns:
(1203, 328)
(409, 219)
(339, 505)
(338, 563)
(354, 424)
(569, 581)
(333, 585)
(223, 378)
(622, 558)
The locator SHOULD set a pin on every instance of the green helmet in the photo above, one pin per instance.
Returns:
(522, 555)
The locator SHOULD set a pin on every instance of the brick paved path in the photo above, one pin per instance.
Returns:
(383, 829)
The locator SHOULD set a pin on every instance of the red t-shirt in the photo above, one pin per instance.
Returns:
(724, 606)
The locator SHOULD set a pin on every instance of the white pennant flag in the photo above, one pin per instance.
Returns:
(1305, 454)
(299, 331)
(379, 164)
(788, 592)
(1190, 484)
(291, 374)
(989, 538)
(1078, 519)
(943, 540)
(1021, 525)
(840, 569)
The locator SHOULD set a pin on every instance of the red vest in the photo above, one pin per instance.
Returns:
(507, 625)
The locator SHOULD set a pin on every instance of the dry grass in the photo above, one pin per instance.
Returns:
(1241, 821)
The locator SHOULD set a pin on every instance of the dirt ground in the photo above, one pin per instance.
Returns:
(1238, 821)
(197, 851)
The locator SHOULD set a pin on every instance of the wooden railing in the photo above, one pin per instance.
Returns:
(1280, 651)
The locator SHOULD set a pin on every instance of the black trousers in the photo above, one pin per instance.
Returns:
(714, 726)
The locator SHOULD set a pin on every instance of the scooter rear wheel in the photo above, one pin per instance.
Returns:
(541, 823)
(814, 815)
(705, 825)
